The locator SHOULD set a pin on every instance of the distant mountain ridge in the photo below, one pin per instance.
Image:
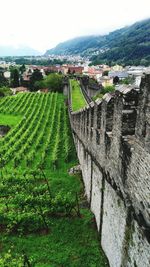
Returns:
(129, 45)
(20, 51)
(74, 46)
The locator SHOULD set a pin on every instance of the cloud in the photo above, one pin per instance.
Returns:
(43, 24)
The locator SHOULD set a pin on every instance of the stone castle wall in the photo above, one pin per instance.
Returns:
(112, 138)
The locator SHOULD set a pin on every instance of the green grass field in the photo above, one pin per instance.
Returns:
(41, 218)
(77, 98)
(72, 242)
(10, 120)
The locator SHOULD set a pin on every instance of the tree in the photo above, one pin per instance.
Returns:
(14, 77)
(22, 68)
(69, 72)
(54, 82)
(40, 85)
(3, 80)
(105, 73)
(115, 80)
(85, 80)
(36, 76)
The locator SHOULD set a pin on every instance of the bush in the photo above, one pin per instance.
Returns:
(5, 91)
(9, 260)
(107, 89)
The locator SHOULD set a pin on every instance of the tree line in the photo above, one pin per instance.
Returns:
(51, 81)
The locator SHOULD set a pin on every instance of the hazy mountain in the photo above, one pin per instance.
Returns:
(77, 45)
(129, 45)
(19, 51)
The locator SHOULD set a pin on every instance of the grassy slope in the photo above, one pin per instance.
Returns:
(11, 120)
(71, 241)
(78, 100)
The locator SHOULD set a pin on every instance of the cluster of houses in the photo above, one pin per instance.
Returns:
(96, 72)
(103, 74)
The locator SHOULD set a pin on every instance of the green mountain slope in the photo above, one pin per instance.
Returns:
(129, 45)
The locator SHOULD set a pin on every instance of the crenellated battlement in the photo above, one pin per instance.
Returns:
(112, 137)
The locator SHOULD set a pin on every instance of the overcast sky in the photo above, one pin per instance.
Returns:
(41, 24)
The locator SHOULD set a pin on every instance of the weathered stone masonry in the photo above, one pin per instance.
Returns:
(112, 138)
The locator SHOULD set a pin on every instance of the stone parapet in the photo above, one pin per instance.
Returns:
(112, 137)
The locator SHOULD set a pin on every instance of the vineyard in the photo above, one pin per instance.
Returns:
(37, 195)
(38, 133)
